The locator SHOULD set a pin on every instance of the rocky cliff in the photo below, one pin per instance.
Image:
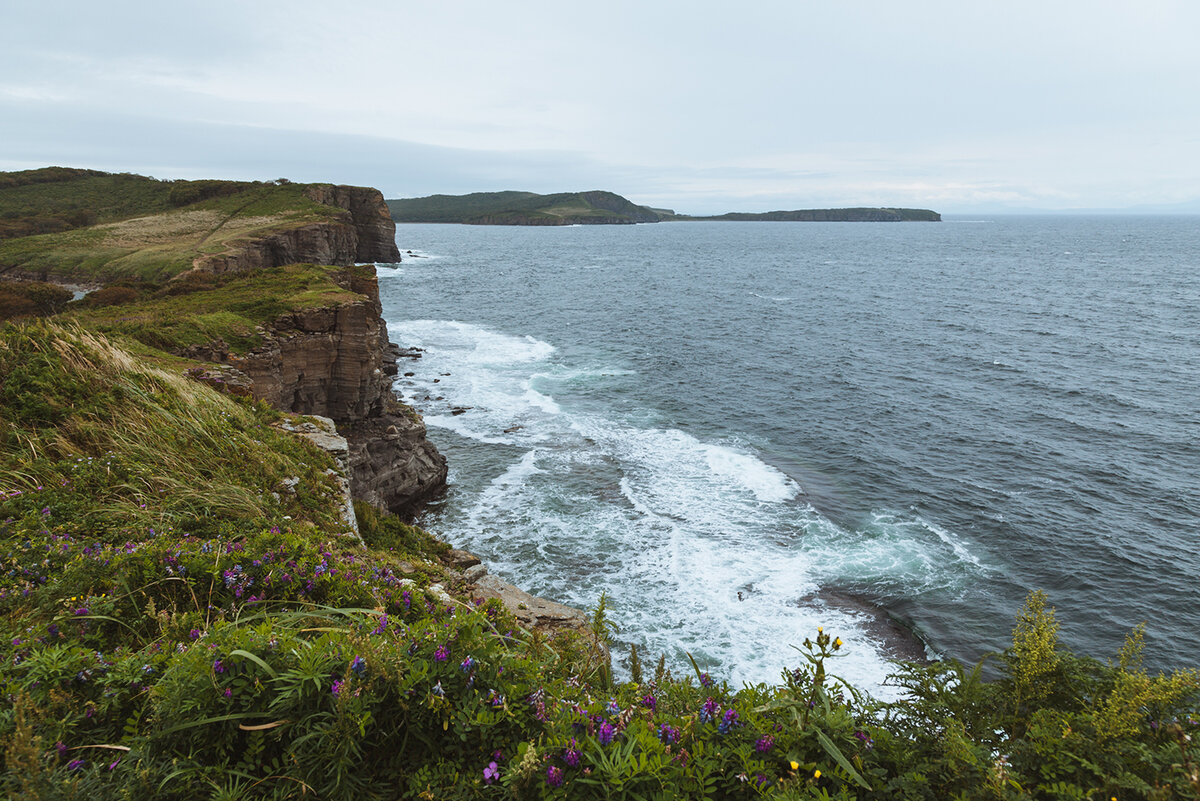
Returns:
(336, 361)
(363, 233)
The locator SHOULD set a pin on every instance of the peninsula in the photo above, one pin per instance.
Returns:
(606, 208)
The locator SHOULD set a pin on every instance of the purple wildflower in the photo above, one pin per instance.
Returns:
(668, 734)
(75, 764)
(61, 748)
(442, 653)
(605, 733)
(228, 693)
(467, 665)
(554, 776)
(709, 711)
(83, 610)
(764, 744)
(613, 707)
(491, 773)
(218, 667)
(194, 634)
(336, 689)
(358, 665)
(381, 627)
(650, 702)
(728, 721)
(571, 755)
(706, 680)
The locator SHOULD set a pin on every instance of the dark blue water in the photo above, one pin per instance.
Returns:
(936, 418)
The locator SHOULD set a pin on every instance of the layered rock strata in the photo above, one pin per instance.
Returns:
(337, 362)
(364, 233)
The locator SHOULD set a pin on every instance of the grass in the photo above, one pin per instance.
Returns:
(232, 308)
(133, 231)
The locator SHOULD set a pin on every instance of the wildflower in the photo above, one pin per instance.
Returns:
(218, 666)
(613, 707)
(706, 680)
(442, 653)
(467, 665)
(728, 721)
(764, 744)
(194, 634)
(837, 643)
(112, 765)
(709, 711)
(605, 734)
(650, 702)
(336, 689)
(61, 748)
(571, 755)
(83, 610)
(554, 776)
(358, 665)
(864, 738)
(795, 765)
(228, 693)
(816, 774)
(438, 691)
(75, 764)
(491, 773)
(668, 734)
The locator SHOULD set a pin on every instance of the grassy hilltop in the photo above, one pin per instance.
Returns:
(523, 208)
(185, 613)
(93, 227)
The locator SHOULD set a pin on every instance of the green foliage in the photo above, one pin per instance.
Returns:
(521, 208)
(31, 299)
(175, 623)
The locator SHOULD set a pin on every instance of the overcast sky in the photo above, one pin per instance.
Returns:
(700, 106)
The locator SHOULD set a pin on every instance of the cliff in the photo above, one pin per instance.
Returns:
(230, 273)
(85, 227)
(332, 359)
(362, 232)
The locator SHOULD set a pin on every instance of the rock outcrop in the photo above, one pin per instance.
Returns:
(336, 362)
(363, 233)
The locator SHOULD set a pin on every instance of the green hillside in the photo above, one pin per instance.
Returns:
(522, 208)
(857, 214)
(93, 227)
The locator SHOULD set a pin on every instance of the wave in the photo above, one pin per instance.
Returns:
(702, 545)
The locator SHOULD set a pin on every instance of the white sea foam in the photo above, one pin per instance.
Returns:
(671, 526)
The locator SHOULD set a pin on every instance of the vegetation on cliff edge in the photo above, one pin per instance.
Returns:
(184, 618)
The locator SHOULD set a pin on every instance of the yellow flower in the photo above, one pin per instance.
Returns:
(795, 765)
(820, 629)
(816, 774)
(837, 643)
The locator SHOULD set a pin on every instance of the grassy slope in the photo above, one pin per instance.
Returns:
(231, 308)
(140, 233)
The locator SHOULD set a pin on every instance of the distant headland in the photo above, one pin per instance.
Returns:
(606, 208)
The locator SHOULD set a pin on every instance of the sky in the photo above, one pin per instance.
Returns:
(698, 106)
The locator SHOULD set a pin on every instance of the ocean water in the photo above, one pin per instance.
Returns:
(743, 431)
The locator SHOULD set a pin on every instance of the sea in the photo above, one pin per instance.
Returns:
(738, 432)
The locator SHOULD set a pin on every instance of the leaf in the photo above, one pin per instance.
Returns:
(255, 659)
(836, 753)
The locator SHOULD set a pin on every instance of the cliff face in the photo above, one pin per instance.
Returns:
(373, 224)
(364, 233)
(337, 362)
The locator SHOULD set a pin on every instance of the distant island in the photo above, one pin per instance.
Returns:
(606, 208)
